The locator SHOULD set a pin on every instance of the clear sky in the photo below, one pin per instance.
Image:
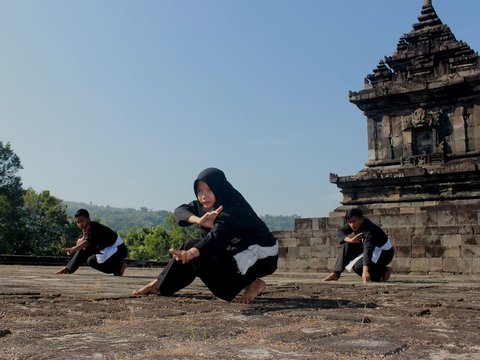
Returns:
(123, 103)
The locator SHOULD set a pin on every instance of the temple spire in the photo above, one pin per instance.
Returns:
(428, 16)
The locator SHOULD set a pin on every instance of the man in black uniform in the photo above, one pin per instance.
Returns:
(99, 246)
(365, 248)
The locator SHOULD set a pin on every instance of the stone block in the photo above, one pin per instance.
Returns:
(470, 239)
(467, 265)
(303, 224)
(434, 251)
(302, 241)
(406, 220)
(315, 224)
(403, 251)
(465, 229)
(317, 264)
(429, 219)
(451, 252)
(467, 216)
(401, 240)
(408, 210)
(444, 230)
(436, 264)
(420, 265)
(318, 241)
(293, 264)
(401, 264)
(427, 240)
(451, 240)
(304, 252)
(453, 265)
(476, 266)
(447, 217)
(322, 223)
(418, 252)
(288, 242)
(470, 251)
(282, 251)
(292, 252)
(421, 220)
(389, 221)
(303, 233)
(323, 251)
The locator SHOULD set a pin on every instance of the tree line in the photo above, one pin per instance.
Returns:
(38, 223)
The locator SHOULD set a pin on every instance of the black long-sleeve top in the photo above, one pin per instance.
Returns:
(373, 236)
(100, 236)
(235, 229)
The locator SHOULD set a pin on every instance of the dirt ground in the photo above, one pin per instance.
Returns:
(90, 315)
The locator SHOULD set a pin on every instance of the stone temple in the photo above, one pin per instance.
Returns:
(421, 182)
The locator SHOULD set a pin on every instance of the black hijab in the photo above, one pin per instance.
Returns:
(225, 193)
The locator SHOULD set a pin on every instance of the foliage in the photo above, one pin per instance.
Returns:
(154, 242)
(47, 225)
(120, 219)
(11, 200)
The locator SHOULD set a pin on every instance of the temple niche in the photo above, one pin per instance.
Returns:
(421, 181)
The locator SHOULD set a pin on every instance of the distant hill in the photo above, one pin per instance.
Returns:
(121, 219)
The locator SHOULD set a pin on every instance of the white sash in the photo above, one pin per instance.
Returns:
(246, 258)
(106, 253)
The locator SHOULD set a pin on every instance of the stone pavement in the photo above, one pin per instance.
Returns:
(90, 315)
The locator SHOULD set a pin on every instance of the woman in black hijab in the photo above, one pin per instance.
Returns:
(236, 249)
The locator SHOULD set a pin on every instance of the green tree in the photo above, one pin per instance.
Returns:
(11, 201)
(47, 227)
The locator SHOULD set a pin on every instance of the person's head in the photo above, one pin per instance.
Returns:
(210, 187)
(82, 218)
(354, 219)
(205, 195)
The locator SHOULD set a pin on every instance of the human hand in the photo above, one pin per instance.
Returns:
(355, 240)
(365, 275)
(185, 256)
(69, 251)
(208, 219)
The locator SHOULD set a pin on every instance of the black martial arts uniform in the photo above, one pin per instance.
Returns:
(233, 254)
(375, 246)
(99, 238)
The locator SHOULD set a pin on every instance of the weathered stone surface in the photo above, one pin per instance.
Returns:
(90, 315)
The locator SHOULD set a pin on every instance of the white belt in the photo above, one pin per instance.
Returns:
(246, 258)
(106, 253)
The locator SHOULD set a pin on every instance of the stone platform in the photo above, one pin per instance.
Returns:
(90, 315)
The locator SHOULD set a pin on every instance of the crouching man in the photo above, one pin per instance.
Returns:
(365, 248)
(100, 247)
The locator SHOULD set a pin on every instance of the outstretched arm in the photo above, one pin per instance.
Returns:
(206, 220)
(81, 244)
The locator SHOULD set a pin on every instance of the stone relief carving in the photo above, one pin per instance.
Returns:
(423, 119)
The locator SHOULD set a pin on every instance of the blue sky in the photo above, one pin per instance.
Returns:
(123, 103)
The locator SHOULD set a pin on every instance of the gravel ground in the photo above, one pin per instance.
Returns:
(90, 315)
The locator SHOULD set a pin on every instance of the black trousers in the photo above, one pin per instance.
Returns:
(349, 251)
(111, 266)
(219, 273)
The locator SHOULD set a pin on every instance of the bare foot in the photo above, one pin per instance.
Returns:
(150, 288)
(387, 274)
(122, 269)
(252, 291)
(62, 271)
(332, 277)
